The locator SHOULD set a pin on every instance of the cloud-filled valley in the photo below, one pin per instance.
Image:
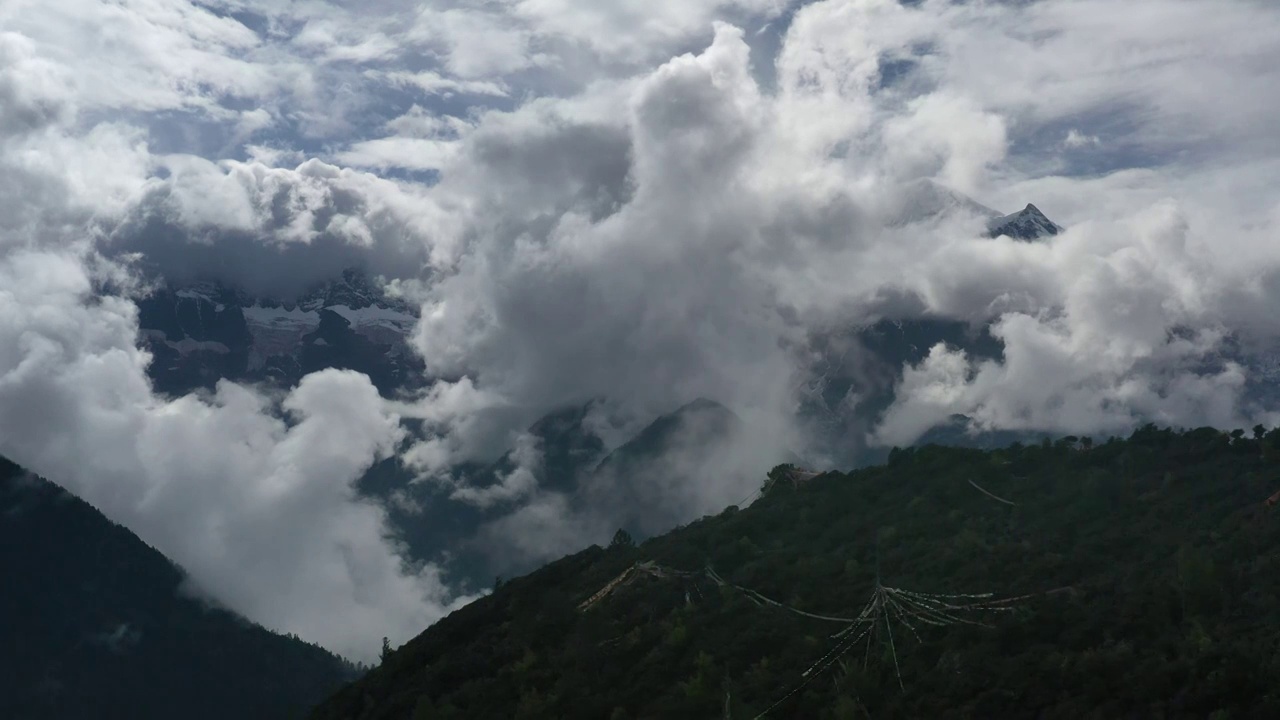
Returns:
(617, 209)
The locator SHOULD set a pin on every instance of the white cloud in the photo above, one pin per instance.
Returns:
(636, 31)
(1076, 139)
(276, 230)
(144, 55)
(33, 92)
(477, 44)
(398, 152)
(953, 128)
(433, 83)
(418, 122)
(336, 42)
(945, 137)
(273, 157)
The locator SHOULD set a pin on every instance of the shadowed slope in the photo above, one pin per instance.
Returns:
(97, 625)
(1145, 572)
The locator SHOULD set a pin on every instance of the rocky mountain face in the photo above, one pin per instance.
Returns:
(569, 447)
(1026, 224)
(204, 332)
(102, 627)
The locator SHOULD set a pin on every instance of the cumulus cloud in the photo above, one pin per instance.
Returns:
(433, 83)
(1076, 139)
(636, 30)
(33, 92)
(629, 201)
(159, 55)
(790, 188)
(633, 292)
(1131, 326)
(274, 231)
(476, 43)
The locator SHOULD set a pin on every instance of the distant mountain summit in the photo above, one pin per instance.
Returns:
(701, 422)
(1026, 224)
(568, 447)
(650, 479)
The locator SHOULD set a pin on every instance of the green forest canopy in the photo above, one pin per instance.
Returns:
(1148, 571)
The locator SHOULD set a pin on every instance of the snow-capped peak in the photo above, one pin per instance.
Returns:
(1026, 224)
(276, 326)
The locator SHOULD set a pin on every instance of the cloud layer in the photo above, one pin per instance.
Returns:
(647, 202)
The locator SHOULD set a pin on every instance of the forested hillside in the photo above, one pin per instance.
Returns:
(96, 625)
(1127, 578)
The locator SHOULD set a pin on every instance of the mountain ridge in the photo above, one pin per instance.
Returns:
(1026, 224)
(1127, 578)
(105, 628)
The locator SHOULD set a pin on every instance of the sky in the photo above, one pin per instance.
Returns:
(649, 201)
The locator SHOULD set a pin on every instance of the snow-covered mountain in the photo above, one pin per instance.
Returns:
(1026, 224)
(201, 332)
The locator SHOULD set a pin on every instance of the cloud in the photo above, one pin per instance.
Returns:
(690, 464)
(946, 137)
(632, 30)
(1076, 139)
(548, 526)
(512, 484)
(737, 225)
(1131, 326)
(433, 83)
(34, 93)
(632, 289)
(477, 44)
(329, 39)
(144, 56)
(398, 152)
(250, 491)
(274, 231)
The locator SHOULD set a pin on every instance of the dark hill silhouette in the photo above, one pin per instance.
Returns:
(96, 625)
(1129, 578)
